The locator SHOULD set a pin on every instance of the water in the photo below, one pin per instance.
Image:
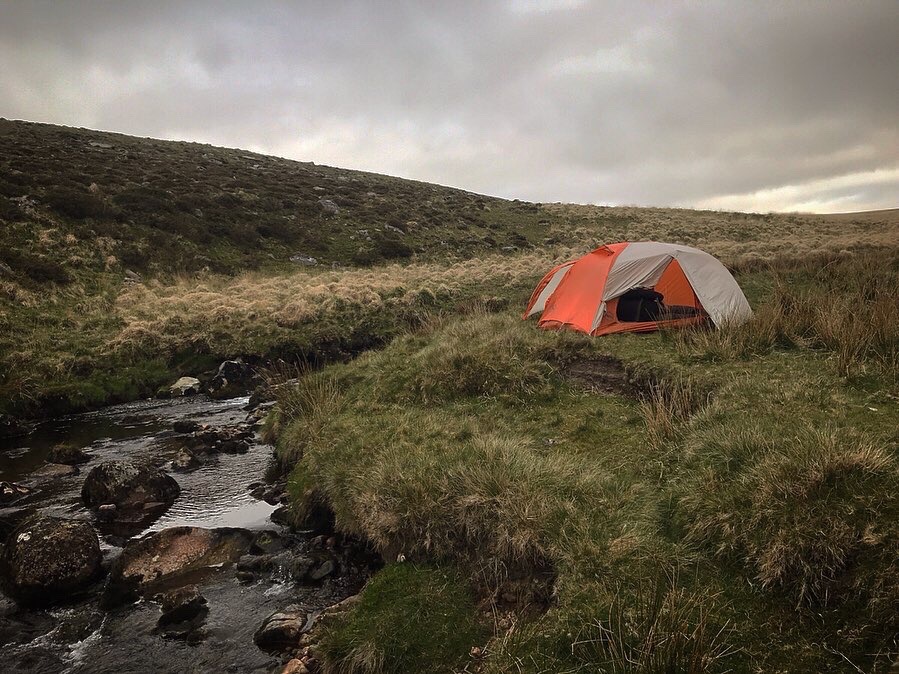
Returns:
(82, 638)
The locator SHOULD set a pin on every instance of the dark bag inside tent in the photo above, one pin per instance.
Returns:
(640, 305)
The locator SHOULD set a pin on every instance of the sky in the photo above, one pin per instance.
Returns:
(756, 106)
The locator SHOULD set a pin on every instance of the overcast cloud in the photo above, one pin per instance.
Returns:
(734, 105)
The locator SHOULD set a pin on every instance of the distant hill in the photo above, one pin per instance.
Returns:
(163, 206)
(75, 203)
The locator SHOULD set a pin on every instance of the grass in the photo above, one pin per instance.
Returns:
(410, 619)
(738, 514)
(212, 231)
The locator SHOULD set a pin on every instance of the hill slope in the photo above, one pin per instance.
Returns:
(125, 261)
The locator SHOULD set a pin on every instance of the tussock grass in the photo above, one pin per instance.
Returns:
(801, 510)
(668, 405)
(656, 627)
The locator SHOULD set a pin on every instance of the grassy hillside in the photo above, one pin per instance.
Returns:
(680, 502)
(210, 232)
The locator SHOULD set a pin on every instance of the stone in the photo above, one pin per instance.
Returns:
(329, 206)
(45, 559)
(233, 378)
(164, 557)
(322, 570)
(128, 486)
(185, 460)
(181, 604)
(295, 666)
(68, 455)
(132, 277)
(185, 386)
(53, 471)
(10, 492)
(186, 426)
(281, 631)
(305, 260)
(267, 543)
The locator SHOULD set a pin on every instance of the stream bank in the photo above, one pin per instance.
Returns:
(213, 567)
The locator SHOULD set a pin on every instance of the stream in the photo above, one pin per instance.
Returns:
(81, 637)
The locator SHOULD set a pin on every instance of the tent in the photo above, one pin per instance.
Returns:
(638, 287)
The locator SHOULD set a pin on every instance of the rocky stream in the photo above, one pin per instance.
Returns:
(150, 537)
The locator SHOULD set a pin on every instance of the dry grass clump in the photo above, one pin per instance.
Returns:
(668, 405)
(309, 404)
(655, 627)
(810, 514)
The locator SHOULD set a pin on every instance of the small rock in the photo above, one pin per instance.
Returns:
(266, 543)
(186, 426)
(132, 277)
(305, 260)
(48, 558)
(181, 604)
(185, 460)
(52, 471)
(324, 569)
(245, 577)
(10, 492)
(295, 666)
(68, 454)
(329, 207)
(281, 631)
(185, 386)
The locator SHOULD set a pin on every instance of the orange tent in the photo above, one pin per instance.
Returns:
(637, 287)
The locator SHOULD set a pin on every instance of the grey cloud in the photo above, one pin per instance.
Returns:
(612, 102)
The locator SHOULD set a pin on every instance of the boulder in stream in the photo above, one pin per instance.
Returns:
(68, 455)
(128, 486)
(48, 558)
(282, 630)
(164, 559)
(185, 460)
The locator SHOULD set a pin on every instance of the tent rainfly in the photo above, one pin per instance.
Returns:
(638, 287)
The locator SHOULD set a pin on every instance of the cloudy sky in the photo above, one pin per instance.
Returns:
(736, 105)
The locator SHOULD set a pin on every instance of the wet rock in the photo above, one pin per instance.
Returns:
(185, 460)
(226, 440)
(233, 378)
(68, 455)
(128, 486)
(165, 558)
(10, 427)
(53, 471)
(186, 426)
(10, 518)
(282, 516)
(10, 492)
(185, 386)
(245, 576)
(322, 570)
(257, 563)
(267, 543)
(295, 666)
(182, 604)
(300, 566)
(281, 631)
(47, 558)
